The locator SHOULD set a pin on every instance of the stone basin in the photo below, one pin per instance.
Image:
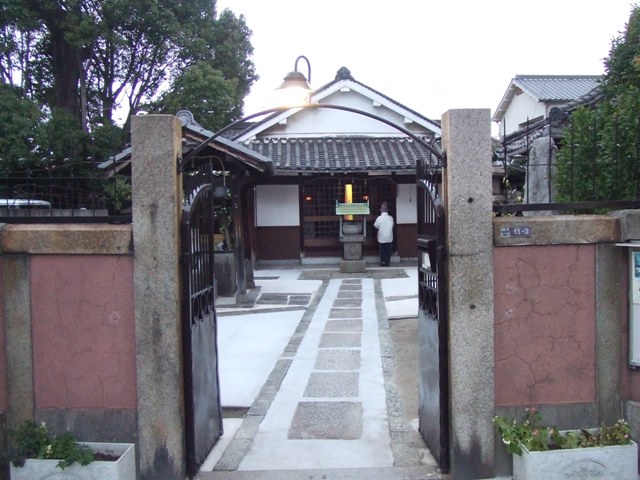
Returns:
(351, 228)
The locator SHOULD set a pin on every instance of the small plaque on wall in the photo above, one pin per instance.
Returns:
(523, 231)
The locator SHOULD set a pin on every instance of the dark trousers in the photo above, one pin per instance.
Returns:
(385, 253)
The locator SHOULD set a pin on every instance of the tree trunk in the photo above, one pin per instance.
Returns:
(65, 58)
(66, 74)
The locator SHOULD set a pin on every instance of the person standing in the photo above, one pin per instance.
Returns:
(384, 224)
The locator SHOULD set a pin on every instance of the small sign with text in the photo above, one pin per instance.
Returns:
(515, 232)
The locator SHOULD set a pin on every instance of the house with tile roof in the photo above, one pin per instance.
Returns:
(317, 153)
(530, 98)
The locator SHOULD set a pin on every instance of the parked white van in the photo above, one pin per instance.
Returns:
(23, 203)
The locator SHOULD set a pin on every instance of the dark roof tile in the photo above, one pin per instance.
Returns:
(351, 154)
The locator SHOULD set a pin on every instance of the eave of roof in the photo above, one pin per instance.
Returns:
(192, 130)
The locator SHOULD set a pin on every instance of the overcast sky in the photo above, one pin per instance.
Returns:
(429, 55)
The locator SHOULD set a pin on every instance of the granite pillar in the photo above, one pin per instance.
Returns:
(157, 204)
(467, 199)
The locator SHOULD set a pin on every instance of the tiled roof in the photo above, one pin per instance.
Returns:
(557, 88)
(348, 154)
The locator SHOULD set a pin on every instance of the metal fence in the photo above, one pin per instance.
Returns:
(71, 192)
(543, 168)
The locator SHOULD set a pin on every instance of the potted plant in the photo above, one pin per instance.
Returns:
(37, 454)
(542, 452)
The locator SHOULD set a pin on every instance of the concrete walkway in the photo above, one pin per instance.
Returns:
(330, 400)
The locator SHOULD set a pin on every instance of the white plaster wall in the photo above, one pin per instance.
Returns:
(327, 121)
(277, 206)
(522, 107)
(406, 209)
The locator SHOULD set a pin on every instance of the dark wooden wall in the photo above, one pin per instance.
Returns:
(277, 243)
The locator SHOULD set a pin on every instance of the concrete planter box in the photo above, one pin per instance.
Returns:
(122, 469)
(618, 462)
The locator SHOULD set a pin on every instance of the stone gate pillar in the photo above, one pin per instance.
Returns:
(467, 199)
(157, 205)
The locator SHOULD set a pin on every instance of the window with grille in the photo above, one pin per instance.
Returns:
(319, 205)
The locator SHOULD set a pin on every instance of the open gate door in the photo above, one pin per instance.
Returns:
(203, 413)
(433, 352)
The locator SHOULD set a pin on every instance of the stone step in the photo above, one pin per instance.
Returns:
(391, 473)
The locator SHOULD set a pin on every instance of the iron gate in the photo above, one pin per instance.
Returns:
(433, 339)
(203, 413)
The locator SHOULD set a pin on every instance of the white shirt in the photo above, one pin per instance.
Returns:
(384, 224)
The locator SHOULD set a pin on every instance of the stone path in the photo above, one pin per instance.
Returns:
(328, 409)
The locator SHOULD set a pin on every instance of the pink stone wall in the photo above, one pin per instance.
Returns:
(83, 331)
(544, 324)
(4, 399)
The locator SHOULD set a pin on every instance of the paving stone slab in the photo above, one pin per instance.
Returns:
(329, 359)
(332, 385)
(329, 340)
(348, 302)
(299, 299)
(345, 313)
(327, 420)
(273, 299)
(338, 326)
(350, 294)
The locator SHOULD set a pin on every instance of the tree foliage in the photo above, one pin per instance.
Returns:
(207, 90)
(19, 121)
(600, 154)
(85, 63)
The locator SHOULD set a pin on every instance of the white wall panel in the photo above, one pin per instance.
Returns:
(277, 206)
(406, 210)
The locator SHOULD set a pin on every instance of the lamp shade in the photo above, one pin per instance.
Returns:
(295, 91)
(295, 79)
